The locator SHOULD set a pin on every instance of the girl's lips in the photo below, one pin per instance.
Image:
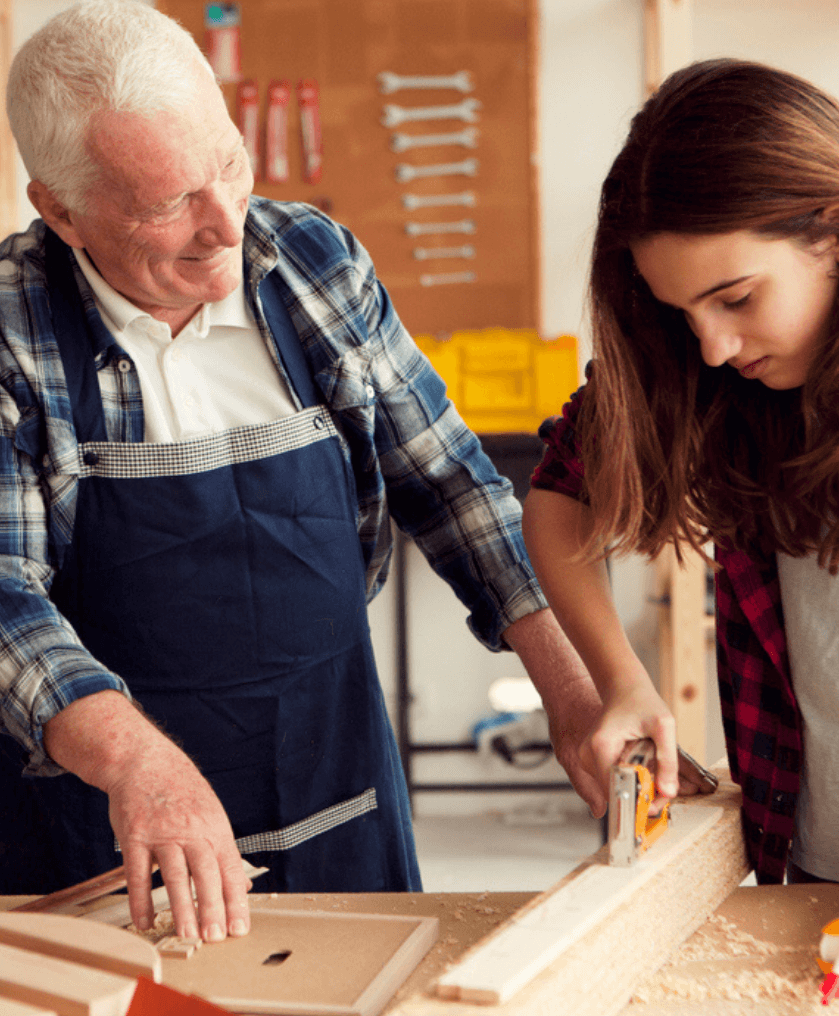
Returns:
(754, 368)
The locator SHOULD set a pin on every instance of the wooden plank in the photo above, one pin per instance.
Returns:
(83, 892)
(597, 975)
(682, 636)
(68, 988)
(668, 39)
(296, 962)
(93, 945)
(9, 1008)
(527, 946)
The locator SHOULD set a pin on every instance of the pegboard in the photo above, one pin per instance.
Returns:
(344, 45)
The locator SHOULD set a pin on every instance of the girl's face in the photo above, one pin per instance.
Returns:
(760, 305)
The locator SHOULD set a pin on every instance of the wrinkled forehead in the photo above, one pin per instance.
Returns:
(147, 158)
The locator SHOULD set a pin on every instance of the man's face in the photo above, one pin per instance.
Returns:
(165, 221)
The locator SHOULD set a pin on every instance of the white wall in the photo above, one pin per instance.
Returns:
(590, 85)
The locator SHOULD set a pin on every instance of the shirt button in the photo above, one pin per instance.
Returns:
(90, 458)
(123, 366)
(318, 423)
(370, 391)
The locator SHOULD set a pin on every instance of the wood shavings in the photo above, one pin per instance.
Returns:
(721, 939)
(792, 978)
(163, 927)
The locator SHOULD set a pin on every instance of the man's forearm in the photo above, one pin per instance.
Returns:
(552, 663)
(100, 735)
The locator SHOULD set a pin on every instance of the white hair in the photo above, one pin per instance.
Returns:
(119, 55)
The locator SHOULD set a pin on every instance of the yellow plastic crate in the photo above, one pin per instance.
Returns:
(505, 380)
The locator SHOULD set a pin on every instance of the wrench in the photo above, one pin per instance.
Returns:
(430, 253)
(414, 201)
(423, 228)
(468, 138)
(390, 82)
(393, 116)
(446, 278)
(405, 173)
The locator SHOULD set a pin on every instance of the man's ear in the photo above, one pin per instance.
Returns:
(56, 215)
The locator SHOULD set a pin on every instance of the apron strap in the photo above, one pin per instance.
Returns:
(275, 293)
(75, 338)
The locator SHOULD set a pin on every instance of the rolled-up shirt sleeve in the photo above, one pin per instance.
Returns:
(442, 489)
(561, 469)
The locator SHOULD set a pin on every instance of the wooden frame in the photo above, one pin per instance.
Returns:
(335, 964)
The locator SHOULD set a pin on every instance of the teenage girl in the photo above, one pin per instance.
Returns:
(711, 412)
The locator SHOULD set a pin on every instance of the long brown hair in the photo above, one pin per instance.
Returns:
(676, 450)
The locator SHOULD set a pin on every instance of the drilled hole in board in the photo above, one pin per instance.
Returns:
(275, 959)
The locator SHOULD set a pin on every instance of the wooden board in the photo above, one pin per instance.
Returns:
(69, 988)
(340, 964)
(94, 945)
(9, 1008)
(498, 969)
(344, 44)
(597, 975)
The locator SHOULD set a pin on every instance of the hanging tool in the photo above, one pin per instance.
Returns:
(390, 82)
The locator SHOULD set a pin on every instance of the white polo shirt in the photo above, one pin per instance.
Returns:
(215, 374)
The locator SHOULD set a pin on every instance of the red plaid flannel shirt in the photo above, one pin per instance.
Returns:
(760, 715)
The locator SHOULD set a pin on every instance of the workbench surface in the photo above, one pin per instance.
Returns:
(755, 955)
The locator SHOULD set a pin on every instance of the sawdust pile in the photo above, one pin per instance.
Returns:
(720, 962)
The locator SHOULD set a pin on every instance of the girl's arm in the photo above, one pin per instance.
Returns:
(555, 527)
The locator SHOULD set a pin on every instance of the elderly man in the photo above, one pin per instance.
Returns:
(208, 412)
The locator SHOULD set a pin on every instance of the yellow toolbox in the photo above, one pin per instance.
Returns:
(505, 380)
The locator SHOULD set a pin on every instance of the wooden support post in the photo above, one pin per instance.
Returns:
(682, 632)
(668, 39)
(8, 194)
(596, 975)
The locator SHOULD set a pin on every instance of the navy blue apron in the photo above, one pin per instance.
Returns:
(223, 579)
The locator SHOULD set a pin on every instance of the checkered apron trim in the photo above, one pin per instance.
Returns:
(307, 828)
(128, 460)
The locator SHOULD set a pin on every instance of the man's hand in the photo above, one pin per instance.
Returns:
(162, 809)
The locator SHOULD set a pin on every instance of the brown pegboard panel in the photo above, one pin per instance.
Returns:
(344, 44)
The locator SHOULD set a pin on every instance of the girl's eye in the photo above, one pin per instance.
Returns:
(734, 304)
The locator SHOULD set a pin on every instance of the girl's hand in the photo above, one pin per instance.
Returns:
(634, 711)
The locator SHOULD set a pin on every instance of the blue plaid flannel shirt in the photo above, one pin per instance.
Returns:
(412, 456)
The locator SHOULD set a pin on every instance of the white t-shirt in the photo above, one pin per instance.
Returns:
(810, 596)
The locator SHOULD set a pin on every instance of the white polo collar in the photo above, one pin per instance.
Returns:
(118, 313)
